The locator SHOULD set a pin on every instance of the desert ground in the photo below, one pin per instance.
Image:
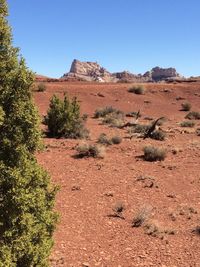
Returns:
(90, 231)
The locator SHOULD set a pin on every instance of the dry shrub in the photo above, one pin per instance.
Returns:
(102, 112)
(186, 106)
(187, 124)
(154, 229)
(152, 153)
(137, 89)
(88, 150)
(193, 115)
(142, 215)
(114, 119)
(158, 135)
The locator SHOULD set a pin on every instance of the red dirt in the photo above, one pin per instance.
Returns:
(86, 235)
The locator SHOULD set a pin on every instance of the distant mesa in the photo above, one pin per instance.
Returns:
(92, 71)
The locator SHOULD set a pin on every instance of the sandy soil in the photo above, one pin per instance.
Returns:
(90, 188)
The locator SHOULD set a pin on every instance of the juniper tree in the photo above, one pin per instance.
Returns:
(27, 219)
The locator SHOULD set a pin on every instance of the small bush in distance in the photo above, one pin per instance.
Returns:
(193, 115)
(104, 140)
(102, 112)
(88, 150)
(137, 89)
(142, 215)
(63, 119)
(116, 140)
(41, 87)
(152, 153)
(114, 119)
(186, 106)
(187, 124)
(158, 135)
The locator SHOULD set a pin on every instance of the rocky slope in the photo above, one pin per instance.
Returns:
(92, 71)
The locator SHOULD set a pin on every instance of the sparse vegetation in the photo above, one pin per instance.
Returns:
(116, 140)
(89, 150)
(187, 124)
(114, 119)
(158, 135)
(105, 140)
(63, 119)
(193, 115)
(152, 153)
(186, 106)
(140, 128)
(154, 229)
(142, 215)
(41, 87)
(102, 112)
(137, 89)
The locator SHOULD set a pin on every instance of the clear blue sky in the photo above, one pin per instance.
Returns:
(133, 35)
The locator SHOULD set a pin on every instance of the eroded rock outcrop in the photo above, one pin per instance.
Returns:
(89, 71)
(92, 71)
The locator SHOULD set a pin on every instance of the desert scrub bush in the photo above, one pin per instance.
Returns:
(186, 106)
(41, 87)
(154, 229)
(102, 112)
(193, 115)
(114, 119)
(158, 135)
(142, 215)
(63, 119)
(152, 153)
(89, 150)
(105, 140)
(187, 124)
(116, 140)
(139, 128)
(137, 89)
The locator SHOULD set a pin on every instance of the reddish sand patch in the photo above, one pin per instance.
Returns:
(90, 188)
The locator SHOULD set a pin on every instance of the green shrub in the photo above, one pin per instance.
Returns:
(88, 150)
(63, 119)
(27, 217)
(193, 115)
(187, 124)
(152, 153)
(137, 89)
(186, 106)
(41, 87)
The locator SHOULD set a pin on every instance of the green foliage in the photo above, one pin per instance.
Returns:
(27, 219)
(63, 119)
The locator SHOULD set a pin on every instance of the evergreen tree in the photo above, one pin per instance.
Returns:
(27, 219)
